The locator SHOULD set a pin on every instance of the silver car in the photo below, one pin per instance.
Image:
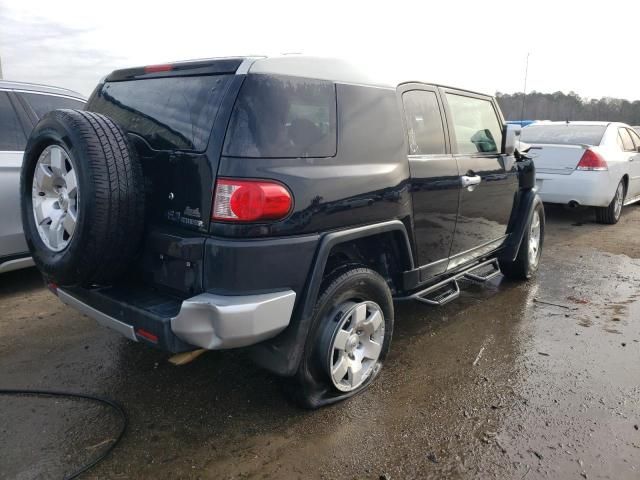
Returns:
(21, 106)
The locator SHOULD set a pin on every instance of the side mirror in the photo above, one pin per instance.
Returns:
(511, 138)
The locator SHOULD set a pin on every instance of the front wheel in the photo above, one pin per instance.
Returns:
(528, 259)
(349, 339)
(611, 214)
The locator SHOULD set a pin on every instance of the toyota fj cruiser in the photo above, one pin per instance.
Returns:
(280, 204)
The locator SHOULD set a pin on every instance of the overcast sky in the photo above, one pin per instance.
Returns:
(589, 47)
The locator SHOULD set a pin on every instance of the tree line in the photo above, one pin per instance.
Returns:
(570, 106)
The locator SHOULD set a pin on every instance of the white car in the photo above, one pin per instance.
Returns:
(595, 164)
(21, 106)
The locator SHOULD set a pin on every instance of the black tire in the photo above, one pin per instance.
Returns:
(610, 215)
(312, 387)
(110, 210)
(524, 266)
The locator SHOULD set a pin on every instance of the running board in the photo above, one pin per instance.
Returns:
(492, 266)
(448, 290)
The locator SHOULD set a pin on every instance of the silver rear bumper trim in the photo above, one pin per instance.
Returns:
(98, 316)
(217, 322)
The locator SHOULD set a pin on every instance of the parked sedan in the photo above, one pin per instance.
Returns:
(21, 106)
(595, 164)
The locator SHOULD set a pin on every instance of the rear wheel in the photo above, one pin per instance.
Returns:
(611, 214)
(349, 339)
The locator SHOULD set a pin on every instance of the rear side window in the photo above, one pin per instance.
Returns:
(283, 117)
(424, 123)
(634, 137)
(171, 113)
(475, 124)
(12, 136)
(563, 134)
(627, 143)
(42, 104)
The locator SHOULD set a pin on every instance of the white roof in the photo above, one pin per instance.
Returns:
(387, 74)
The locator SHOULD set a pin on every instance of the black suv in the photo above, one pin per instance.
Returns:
(280, 204)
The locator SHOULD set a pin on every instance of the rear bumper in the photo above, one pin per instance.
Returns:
(217, 321)
(593, 189)
(206, 320)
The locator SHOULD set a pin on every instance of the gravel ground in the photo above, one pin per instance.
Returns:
(533, 380)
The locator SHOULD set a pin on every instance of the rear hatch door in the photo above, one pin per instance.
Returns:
(169, 113)
(175, 117)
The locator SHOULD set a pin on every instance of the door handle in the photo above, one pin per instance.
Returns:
(470, 181)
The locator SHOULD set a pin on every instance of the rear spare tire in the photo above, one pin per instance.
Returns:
(82, 198)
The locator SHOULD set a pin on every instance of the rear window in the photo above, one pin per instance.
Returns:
(42, 104)
(283, 117)
(171, 113)
(563, 134)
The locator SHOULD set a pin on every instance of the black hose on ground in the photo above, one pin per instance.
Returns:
(94, 398)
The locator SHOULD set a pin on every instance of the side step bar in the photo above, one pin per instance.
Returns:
(629, 201)
(444, 292)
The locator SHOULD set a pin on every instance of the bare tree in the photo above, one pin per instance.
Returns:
(567, 106)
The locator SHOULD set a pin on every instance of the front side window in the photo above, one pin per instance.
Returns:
(12, 136)
(424, 123)
(282, 117)
(42, 104)
(475, 124)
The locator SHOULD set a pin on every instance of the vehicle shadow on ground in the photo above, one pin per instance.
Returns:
(23, 281)
(577, 216)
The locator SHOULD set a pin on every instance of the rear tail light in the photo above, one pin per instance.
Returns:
(592, 161)
(250, 200)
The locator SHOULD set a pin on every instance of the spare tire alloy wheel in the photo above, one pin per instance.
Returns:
(55, 197)
(356, 345)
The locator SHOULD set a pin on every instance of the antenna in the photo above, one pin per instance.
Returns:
(524, 92)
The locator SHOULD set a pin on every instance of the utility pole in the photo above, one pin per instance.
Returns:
(524, 92)
(0, 68)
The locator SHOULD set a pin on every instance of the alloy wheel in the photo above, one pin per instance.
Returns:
(356, 345)
(534, 239)
(55, 197)
(619, 200)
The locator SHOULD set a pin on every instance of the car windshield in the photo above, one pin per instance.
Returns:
(564, 134)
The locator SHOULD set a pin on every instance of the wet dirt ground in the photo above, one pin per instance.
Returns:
(512, 381)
